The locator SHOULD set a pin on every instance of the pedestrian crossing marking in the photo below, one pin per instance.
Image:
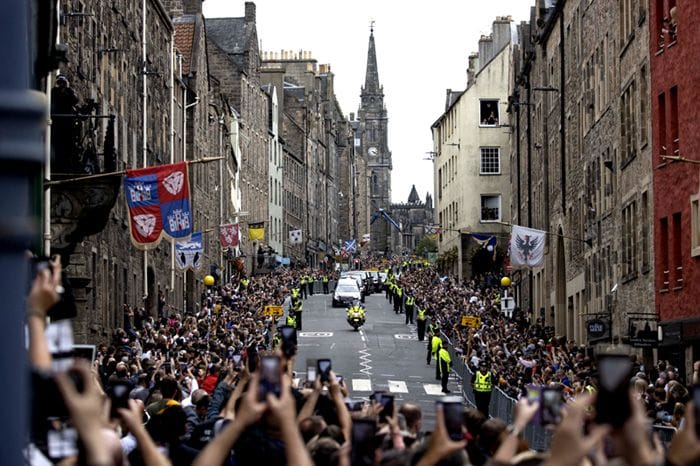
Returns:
(316, 334)
(397, 386)
(361, 385)
(433, 389)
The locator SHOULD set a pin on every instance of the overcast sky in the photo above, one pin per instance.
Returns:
(422, 50)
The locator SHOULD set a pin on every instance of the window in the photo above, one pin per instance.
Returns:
(629, 243)
(674, 121)
(645, 244)
(628, 146)
(490, 207)
(643, 106)
(490, 161)
(677, 248)
(627, 17)
(695, 225)
(488, 112)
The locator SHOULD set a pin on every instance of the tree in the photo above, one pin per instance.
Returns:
(425, 245)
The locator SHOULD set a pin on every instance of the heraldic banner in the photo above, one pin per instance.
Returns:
(189, 253)
(526, 247)
(158, 199)
(228, 235)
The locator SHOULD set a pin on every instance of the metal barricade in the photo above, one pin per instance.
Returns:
(665, 433)
(502, 406)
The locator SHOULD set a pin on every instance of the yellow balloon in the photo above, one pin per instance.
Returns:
(209, 280)
(505, 281)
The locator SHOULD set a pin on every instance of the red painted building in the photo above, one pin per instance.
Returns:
(675, 95)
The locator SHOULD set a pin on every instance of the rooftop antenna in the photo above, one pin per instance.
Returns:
(371, 26)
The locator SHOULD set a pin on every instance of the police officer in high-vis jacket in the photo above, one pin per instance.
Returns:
(421, 320)
(482, 385)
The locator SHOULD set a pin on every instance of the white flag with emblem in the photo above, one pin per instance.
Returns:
(526, 247)
(294, 236)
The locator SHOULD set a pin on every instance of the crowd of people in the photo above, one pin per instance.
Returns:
(194, 388)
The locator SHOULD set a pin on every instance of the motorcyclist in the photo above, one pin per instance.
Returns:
(356, 308)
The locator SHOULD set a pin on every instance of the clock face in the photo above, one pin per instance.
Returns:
(372, 151)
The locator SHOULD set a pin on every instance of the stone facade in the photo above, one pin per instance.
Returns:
(414, 216)
(373, 134)
(470, 143)
(580, 106)
(234, 60)
(106, 65)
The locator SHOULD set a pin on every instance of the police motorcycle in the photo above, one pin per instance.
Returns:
(356, 315)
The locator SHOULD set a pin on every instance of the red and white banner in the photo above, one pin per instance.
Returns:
(228, 234)
(158, 199)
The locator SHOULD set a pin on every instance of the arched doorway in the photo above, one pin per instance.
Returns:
(560, 286)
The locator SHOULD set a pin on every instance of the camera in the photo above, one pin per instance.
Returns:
(612, 403)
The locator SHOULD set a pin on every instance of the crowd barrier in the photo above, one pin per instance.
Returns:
(502, 406)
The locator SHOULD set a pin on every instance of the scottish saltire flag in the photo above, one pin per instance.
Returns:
(228, 235)
(295, 236)
(487, 242)
(526, 247)
(188, 254)
(350, 245)
(158, 199)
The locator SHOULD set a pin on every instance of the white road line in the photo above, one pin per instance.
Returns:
(387, 375)
(416, 377)
(433, 389)
(397, 386)
(361, 385)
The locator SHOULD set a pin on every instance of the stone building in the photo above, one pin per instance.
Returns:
(234, 61)
(111, 80)
(581, 152)
(414, 216)
(314, 132)
(373, 134)
(470, 143)
(675, 93)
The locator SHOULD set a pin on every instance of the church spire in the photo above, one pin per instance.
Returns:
(372, 76)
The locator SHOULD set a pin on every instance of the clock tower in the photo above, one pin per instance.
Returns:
(373, 144)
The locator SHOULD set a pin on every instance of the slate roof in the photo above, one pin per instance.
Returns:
(230, 34)
(184, 39)
(413, 197)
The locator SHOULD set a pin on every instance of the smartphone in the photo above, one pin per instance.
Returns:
(551, 403)
(311, 374)
(612, 402)
(363, 442)
(696, 403)
(534, 394)
(270, 377)
(236, 358)
(339, 378)
(183, 367)
(354, 405)
(119, 396)
(387, 402)
(324, 369)
(289, 341)
(453, 412)
(377, 396)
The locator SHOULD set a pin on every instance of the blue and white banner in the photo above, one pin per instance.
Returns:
(350, 245)
(189, 254)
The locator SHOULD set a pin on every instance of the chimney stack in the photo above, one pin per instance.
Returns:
(249, 12)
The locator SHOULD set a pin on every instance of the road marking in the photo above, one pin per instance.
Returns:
(316, 334)
(433, 389)
(406, 336)
(365, 360)
(361, 385)
(397, 386)
(416, 377)
(387, 375)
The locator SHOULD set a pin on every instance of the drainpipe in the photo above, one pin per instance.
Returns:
(144, 129)
(172, 147)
